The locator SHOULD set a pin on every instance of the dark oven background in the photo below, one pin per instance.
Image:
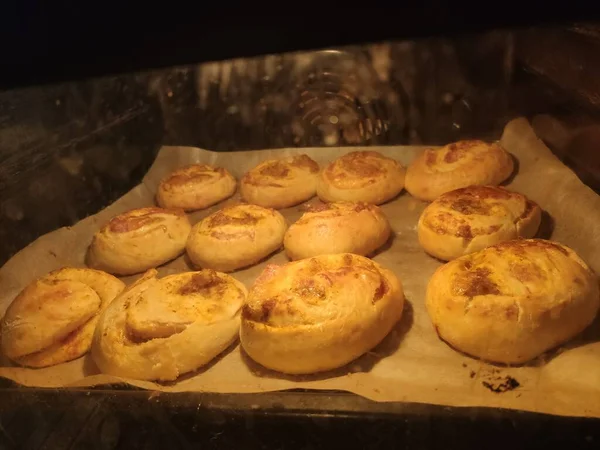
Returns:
(68, 150)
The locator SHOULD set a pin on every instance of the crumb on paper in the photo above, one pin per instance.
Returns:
(501, 384)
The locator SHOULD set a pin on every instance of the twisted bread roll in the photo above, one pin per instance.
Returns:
(455, 166)
(467, 220)
(138, 240)
(53, 319)
(320, 313)
(281, 183)
(343, 227)
(235, 237)
(364, 176)
(513, 301)
(195, 187)
(160, 329)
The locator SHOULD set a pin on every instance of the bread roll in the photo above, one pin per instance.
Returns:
(320, 313)
(511, 302)
(159, 329)
(469, 219)
(138, 240)
(195, 187)
(343, 227)
(281, 183)
(363, 176)
(52, 320)
(457, 165)
(235, 237)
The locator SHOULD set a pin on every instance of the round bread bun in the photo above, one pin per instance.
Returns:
(139, 240)
(195, 187)
(235, 237)
(469, 219)
(461, 164)
(159, 329)
(320, 313)
(511, 302)
(52, 320)
(281, 183)
(365, 176)
(342, 227)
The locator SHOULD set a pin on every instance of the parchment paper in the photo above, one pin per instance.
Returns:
(412, 364)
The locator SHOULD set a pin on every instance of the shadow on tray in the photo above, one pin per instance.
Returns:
(590, 335)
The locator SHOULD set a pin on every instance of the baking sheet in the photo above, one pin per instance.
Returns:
(411, 364)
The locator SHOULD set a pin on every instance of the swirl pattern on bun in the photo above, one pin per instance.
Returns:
(511, 302)
(469, 219)
(280, 183)
(320, 313)
(341, 227)
(194, 187)
(363, 176)
(52, 320)
(465, 163)
(235, 237)
(139, 240)
(159, 329)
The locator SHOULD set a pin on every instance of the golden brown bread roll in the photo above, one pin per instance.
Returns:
(364, 176)
(138, 240)
(197, 186)
(235, 237)
(513, 301)
(461, 164)
(159, 329)
(343, 227)
(469, 219)
(53, 319)
(320, 313)
(280, 183)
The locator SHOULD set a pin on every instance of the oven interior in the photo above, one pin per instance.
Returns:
(68, 150)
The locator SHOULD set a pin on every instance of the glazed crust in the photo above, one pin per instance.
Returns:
(159, 329)
(465, 163)
(469, 219)
(511, 302)
(363, 176)
(194, 187)
(342, 227)
(53, 319)
(138, 240)
(235, 237)
(281, 183)
(320, 313)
